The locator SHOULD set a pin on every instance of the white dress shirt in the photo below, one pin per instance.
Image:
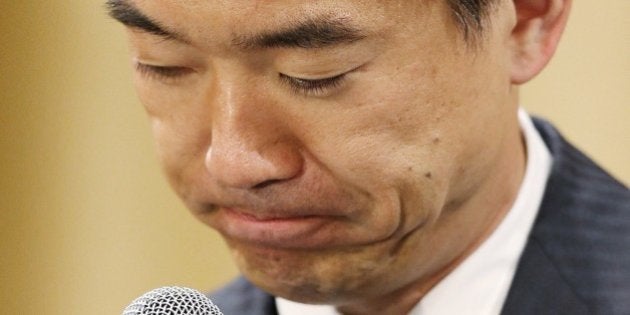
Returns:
(479, 285)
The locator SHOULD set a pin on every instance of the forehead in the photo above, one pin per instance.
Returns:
(217, 22)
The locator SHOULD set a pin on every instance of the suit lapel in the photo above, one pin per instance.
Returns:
(538, 288)
(541, 284)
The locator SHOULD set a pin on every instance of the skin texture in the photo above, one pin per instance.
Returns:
(363, 194)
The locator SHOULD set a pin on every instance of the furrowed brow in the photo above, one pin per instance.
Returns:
(127, 14)
(309, 34)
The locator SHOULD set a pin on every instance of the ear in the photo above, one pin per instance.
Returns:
(534, 39)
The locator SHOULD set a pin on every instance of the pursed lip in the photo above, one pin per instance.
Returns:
(294, 229)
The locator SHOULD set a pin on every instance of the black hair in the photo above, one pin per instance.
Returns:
(471, 15)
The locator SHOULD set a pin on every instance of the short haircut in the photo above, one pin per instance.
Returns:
(471, 15)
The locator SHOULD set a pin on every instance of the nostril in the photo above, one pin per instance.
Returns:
(266, 183)
(244, 168)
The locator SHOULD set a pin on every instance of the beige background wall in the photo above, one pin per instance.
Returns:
(87, 222)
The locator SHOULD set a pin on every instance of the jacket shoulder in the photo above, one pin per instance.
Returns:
(581, 237)
(242, 297)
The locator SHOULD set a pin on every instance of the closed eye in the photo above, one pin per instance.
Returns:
(162, 72)
(313, 87)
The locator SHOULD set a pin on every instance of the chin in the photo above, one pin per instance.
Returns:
(313, 277)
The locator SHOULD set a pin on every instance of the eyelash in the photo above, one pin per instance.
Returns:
(316, 87)
(162, 72)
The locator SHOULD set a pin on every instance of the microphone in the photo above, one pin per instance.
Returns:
(172, 300)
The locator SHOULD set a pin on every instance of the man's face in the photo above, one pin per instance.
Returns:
(336, 145)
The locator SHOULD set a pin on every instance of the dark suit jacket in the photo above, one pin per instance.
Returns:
(577, 257)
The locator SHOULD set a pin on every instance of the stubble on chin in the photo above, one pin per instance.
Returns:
(313, 276)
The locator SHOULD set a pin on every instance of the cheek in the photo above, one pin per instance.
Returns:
(392, 151)
(180, 124)
(181, 149)
(177, 156)
(404, 137)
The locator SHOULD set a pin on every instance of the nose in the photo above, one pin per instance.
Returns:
(250, 145)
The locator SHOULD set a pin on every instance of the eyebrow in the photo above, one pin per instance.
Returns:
(129, 15)
(312, 33)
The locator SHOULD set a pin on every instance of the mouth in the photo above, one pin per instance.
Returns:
(277, 230)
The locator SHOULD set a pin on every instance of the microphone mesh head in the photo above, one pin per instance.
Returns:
(172, 301)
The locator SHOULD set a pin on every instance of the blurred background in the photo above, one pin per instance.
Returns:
(87, 222)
